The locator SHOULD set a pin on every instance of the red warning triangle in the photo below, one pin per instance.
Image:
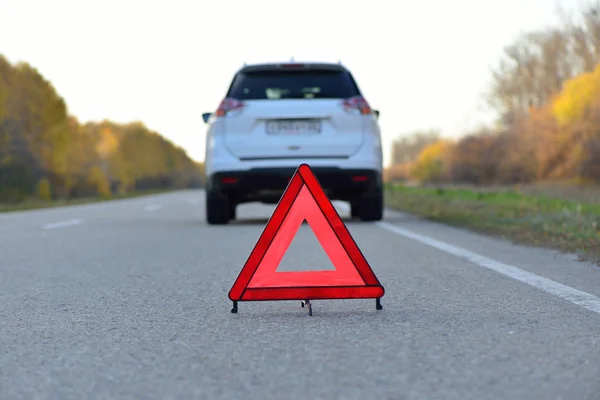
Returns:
(305, 199)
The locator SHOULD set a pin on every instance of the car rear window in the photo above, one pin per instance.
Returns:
(296, 84)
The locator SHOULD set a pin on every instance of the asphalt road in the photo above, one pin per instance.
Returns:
(128, 299)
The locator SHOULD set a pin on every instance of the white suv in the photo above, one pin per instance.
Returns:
(276, 116)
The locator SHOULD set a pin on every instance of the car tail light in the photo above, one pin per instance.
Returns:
(360, 178)
(228, 104)
(357, 103)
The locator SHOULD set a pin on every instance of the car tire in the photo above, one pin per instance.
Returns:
(218, 211)
(354, 209)
(232, 211)
(371, 206)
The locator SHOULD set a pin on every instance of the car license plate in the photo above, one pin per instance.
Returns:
(285, 127)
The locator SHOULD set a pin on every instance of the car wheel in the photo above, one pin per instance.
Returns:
(371, 206)
(217, 209)
(232, 211)
(354, 209)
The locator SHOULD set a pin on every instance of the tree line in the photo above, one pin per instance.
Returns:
(546, 93)
(46, 152)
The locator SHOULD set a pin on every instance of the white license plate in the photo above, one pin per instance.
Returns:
(285, 127)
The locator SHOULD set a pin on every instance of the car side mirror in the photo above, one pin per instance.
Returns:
(376, 112)
(206, 117)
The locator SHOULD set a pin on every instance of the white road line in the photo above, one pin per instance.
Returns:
(63, 224)
(153, 207)
(568, 293)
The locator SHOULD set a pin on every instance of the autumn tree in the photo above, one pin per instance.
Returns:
(40, 141)
(577, 112)
(406, 148)
(546, 92)
(431, 163)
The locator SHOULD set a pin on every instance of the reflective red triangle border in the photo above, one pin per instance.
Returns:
(304, 177)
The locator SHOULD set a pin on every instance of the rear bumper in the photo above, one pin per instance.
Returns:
(268, 184)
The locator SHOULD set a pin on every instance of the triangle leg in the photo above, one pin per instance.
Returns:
(308, 304)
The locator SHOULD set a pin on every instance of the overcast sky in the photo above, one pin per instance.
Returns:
(423, 64)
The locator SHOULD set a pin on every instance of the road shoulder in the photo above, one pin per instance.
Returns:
(552, 264)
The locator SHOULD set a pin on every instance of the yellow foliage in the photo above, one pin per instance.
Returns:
(43, 190)
(99, 181)
(42, 136)
(577, 95)
(3, 97)
(107, 143)
(430, 164)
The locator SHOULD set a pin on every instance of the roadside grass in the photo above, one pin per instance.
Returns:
(34, 204)
(547, 220)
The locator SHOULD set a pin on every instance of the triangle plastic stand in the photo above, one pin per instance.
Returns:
(305, 199)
